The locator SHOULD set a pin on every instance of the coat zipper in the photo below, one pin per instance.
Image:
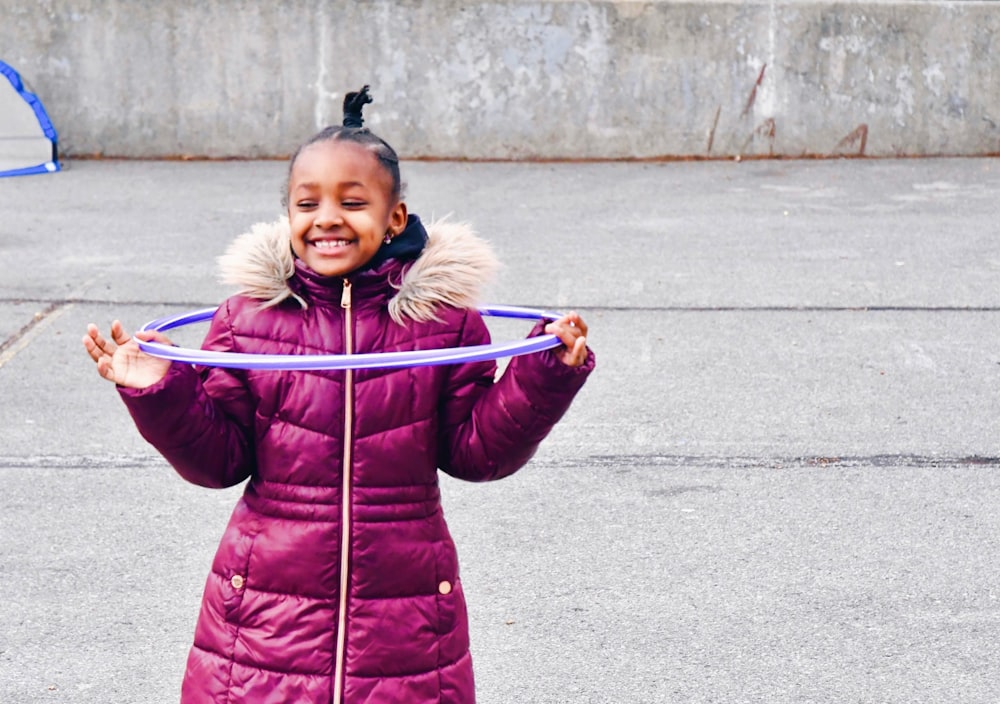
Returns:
(345, 498)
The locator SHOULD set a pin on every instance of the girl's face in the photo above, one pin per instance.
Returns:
(340, 207)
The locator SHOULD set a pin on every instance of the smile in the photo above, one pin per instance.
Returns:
(330, 244)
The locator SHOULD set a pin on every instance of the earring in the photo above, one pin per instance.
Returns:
(388, 237)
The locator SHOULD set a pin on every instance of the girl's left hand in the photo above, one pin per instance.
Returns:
(573, 332)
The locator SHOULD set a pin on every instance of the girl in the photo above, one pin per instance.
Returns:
(336, 579)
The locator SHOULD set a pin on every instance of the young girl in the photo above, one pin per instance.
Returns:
(336, 579)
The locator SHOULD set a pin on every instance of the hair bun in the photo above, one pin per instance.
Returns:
(353, 104)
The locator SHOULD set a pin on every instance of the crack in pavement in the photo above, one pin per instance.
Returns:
(602, 309)
(805, 461)
(23, 337)
(53, 310)
(82, 461)
(909, 461)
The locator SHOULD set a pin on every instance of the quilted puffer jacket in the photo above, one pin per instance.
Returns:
(336, 579)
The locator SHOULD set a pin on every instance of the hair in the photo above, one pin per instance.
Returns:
(352, 130)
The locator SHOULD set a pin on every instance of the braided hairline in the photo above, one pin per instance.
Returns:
(385, 154)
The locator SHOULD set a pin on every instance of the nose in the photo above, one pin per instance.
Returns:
(327, 215)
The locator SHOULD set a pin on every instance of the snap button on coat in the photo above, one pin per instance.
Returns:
(445, 587)
(237, 581)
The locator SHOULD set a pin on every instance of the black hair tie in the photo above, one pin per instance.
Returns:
(353, 103)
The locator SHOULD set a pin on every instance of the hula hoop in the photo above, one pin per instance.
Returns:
(370, 360)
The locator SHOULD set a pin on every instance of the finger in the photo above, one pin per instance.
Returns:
(153, 336)
(91, 347)
(102, 345)
(569, 337)
(564, 320)
(105, 369)
(576, 354)
(557, 327)
(573, 320)
(559, 330)
(118, 333)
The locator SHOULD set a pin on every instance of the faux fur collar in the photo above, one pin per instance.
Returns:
(452, 270)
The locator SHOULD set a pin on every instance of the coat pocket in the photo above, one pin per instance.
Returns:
(448, 588)
(453, 637)
(232, 560)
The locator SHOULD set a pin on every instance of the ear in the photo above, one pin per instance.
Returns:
(397, 218)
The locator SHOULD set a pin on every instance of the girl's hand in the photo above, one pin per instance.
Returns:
(573, 332)
(121, 360)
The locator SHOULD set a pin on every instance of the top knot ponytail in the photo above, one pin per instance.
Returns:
(353, 130)
(353, 104)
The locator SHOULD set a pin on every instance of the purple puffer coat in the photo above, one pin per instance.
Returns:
(336, 579)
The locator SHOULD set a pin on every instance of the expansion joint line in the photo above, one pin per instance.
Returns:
(10, 347)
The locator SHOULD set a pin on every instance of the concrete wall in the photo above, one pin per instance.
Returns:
(515, 80)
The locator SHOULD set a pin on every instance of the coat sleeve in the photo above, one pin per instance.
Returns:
(491, 429)
(199, 419)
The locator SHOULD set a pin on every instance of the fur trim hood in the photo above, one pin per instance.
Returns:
(452, 270)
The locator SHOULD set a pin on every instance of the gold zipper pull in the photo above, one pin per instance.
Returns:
(345, 298)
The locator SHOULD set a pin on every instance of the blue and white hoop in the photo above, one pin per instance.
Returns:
(371, 360)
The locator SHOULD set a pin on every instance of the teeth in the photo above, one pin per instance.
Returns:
(330, 244)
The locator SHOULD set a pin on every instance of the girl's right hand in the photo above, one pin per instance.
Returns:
(573, 332)
(122, 361)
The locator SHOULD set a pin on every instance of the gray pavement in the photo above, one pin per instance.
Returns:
(779, 486)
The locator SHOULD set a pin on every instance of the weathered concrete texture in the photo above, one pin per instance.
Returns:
(513, 80)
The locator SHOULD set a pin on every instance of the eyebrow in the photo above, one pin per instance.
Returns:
(347, 184)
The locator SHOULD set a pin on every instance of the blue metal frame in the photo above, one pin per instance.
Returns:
(43, 121)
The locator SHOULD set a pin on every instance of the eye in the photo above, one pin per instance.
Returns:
(305, 204)
(354, 203)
